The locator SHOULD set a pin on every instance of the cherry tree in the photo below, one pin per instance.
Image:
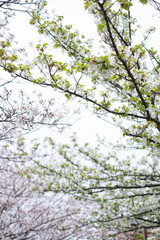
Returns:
(28, 214)
(25, 212)
(118, 82)
(25, 116)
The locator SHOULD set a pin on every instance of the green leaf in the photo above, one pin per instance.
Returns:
(143, 1)
(139, 236)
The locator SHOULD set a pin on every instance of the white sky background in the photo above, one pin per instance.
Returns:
(73, 13)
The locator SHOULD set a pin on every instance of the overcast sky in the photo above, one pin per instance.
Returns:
(73, 13)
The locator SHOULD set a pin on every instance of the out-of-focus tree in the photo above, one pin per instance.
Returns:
(27, 214)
